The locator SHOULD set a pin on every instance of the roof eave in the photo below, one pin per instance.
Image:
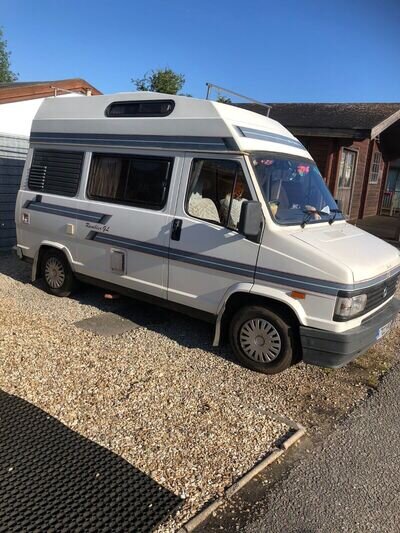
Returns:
(330, 132)
(44, 89)
(382, 126)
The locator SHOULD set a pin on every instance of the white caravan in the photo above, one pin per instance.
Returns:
(206, 208)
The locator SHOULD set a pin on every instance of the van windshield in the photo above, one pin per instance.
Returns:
(294, 189)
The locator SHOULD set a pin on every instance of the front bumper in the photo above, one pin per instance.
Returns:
(334, 350)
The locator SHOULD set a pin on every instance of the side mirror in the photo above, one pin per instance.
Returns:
(251, 220)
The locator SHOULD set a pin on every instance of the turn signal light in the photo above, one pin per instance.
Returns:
(298, 295)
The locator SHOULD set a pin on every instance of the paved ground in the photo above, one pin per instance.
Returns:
(382, 226)
(351, 483)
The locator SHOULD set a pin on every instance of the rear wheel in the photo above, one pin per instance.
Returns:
(57, 274)
(262, 340)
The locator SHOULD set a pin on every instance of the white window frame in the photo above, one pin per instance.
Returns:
(376, 168)
(343, 150)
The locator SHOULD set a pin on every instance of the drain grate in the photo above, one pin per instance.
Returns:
(52, 479)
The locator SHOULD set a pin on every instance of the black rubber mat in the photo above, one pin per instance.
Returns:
(52, 479)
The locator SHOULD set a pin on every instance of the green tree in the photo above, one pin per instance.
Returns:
(6, 74)
(162, 80)
(223, 99)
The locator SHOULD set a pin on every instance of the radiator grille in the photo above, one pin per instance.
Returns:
(378, 294)
(55, 172)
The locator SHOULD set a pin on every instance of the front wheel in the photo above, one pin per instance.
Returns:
(58, 276)
(262, 340)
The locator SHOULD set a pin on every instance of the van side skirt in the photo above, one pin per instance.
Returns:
(144, 297)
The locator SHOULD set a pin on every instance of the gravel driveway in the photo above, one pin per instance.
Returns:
(160, 396)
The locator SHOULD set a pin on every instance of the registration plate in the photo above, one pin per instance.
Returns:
(383, 330)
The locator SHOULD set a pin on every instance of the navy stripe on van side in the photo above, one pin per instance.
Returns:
(233, 267)
(156, 141)
(269, 136)
(214, 263)
(378, 279)
(301, 282)
(130, 244)
(53, 209)
(178, 255)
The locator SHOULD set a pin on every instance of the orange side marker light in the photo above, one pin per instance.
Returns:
(298, 295)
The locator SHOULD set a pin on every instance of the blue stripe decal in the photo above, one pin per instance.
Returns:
(269, 136)
(80, 214)
(178, 255)
(318, 285)
(214, 263)
(299, 282)
(262, 274)
(159, 141)
(374, 281)
(130, 244)
(233, 267)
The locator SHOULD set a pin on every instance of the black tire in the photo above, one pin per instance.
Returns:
(279, 345)
(55, 263)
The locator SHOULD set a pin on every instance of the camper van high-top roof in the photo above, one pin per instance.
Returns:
(179, 123)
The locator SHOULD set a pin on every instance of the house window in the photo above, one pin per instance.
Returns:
(55, 172)
(216, 192)
(141, 181)
(375, 168)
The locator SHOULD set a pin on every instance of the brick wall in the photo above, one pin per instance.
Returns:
(327, 153)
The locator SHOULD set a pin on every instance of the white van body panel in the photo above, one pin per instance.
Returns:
(352, 246)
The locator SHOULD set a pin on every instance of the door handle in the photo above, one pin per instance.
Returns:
(176, 229)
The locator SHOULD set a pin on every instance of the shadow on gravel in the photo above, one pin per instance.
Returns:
(54, 479)
(186, 331)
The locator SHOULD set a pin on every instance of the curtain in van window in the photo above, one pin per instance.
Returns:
(105, 179)
(196, 187)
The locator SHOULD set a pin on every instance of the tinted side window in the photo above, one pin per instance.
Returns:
(141, 181)
(55, 172)
(217, 189)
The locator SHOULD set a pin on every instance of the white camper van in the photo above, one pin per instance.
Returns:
(206, 208)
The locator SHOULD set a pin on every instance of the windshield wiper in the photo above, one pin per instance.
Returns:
(308, 213)
(335, 212)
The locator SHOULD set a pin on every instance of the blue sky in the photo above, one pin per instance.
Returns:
(274, 51)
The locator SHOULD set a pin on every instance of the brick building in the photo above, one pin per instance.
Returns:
(355, 147)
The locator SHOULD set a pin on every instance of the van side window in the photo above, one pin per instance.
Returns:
(141, 181)
(55, 172)
(216, 192)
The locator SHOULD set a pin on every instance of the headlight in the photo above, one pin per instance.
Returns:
(346, 307)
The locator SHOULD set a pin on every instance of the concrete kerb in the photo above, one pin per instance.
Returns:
(257, 469)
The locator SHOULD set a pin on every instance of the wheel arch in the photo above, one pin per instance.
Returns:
(240, 299)
(44, 246)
